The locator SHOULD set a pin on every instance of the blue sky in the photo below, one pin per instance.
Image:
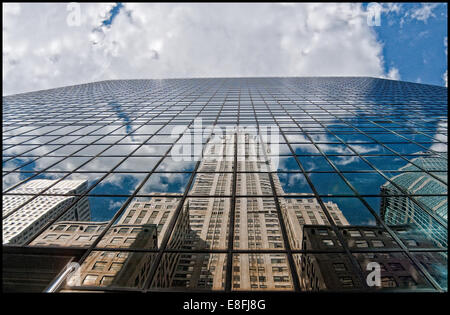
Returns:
(415, 45)
(113, 13)
(42, 50)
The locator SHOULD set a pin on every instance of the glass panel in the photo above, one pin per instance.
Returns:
(144, 213)
(260, 272)
(338, 177)
(397, 271)
(202, 224)
(256, 224)
(173, 183)
(205, 271)
(326, 272)
(118, 184)
(437, 266)
(138, 164)
(212, 184)
(112, 269)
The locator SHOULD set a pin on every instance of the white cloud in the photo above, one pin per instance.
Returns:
(441, 136)
(392, 7)
(393, 74)
(419, 13)
(445, 75)
(114, 205)
(184, 40)
(424, 12)
(445, 44)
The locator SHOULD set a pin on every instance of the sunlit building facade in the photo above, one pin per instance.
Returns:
(36, 210)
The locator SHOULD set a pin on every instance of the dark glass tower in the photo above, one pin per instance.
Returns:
(254, 184)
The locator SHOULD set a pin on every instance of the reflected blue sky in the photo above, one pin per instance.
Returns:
(118, 184)
(165, 183)
(104, 208)
(354, 210)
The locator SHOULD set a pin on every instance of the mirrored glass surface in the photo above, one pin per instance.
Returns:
(252, 184)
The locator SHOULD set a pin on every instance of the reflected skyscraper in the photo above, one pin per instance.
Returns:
(138, 228)
(335, 272)
(402, 210)
(21, 225)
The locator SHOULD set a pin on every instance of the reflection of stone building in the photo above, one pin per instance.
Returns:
(400, 210)
(20, 226)
(334, 271)
(70, 233)
(120, 268)
(138, 228)
(157, 211)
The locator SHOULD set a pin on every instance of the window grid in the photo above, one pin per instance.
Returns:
(263, 101)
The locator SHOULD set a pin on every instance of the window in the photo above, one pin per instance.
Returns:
(354, 233)
(361, 244)
(395, 266)
(339, 267)
(407, 281)
(116, 266)
(411, 243)
(72, 228)
(106, 280)
(99, 265)
(377, 243)
(346, 282)
(116, 240)
(90, 280)
(388, 282)
(60, 227)
(90, 229)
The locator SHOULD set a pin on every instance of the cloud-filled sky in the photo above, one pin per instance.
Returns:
(42, 48)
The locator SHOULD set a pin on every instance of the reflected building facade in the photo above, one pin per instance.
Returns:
(335, 272)
(137, 228)
(37, 210)
(401, 210)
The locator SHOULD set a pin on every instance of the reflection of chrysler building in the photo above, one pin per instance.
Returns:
(256, 221)
(21, 225)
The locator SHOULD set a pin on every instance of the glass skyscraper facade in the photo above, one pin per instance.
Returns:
(228, 184)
